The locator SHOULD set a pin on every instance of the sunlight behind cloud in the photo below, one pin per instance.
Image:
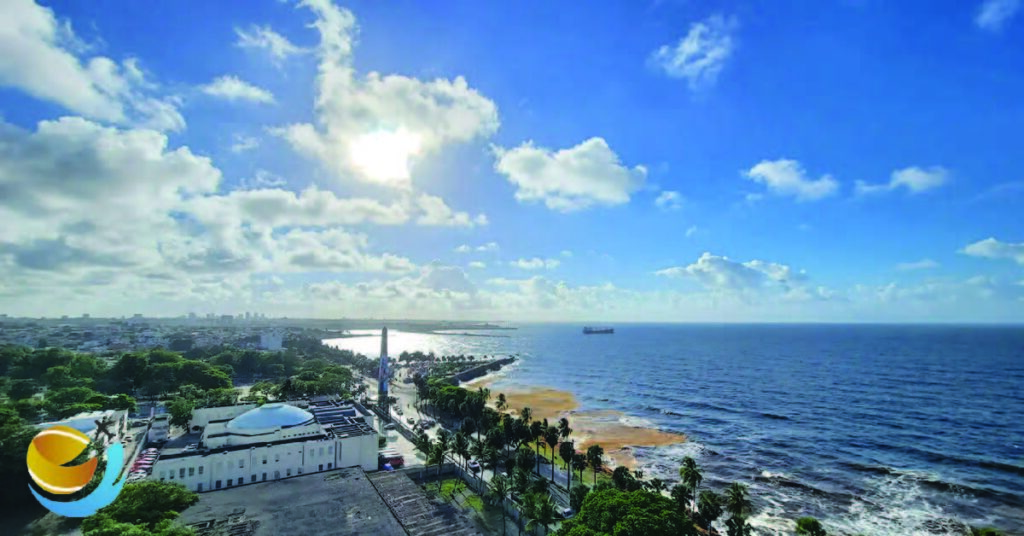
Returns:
(384, 156)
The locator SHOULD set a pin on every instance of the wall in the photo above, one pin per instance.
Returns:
(203, 416)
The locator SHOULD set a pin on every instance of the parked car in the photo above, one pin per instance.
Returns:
(474, 466)
(410, 420)
(389, 426)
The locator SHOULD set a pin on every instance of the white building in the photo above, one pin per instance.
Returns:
(159, 431)
(271, 340)
(271, 442)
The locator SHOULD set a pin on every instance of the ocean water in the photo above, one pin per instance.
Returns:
(872, 429)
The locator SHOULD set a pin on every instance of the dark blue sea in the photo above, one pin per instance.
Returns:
(872, 429)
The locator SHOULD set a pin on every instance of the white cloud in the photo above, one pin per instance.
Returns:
(464, 248)
(914, 179)
(747, 279)
(692, 230)
(701, 54)
(994, 14)
(535, 263)
(233, 89)
(788, 178)
(376, 128)
(434, 211)
(569, 179)
(262, 179)
(488, 247)
(669, 200)
(264, 38)
(244, 143)
(479, 265)
(994, 249)
(923, 264)
(40, 57)
(566, 253)
(332, 250)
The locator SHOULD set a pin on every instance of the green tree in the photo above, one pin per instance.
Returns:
(577, 495)
(567, 452)
(543, 511)
(122, 402)
(180, 410)
(808, 526)
(607, 512)
(106, 526)
(737, 503)
(15, 436)
(21, 389)
(145, 503)
(595, 459)
(551, 438)
(499, 491)
(460, 446)
(690, 474)
(709, 508)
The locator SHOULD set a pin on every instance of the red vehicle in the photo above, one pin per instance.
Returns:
(390, 456)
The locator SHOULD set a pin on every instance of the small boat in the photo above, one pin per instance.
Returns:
(597, 331)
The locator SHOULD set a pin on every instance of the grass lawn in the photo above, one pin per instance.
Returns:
(588, 475)
(458, 493)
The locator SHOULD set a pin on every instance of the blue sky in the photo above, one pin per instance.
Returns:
(667, 161)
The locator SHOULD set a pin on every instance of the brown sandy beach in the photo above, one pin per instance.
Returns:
(590, 427)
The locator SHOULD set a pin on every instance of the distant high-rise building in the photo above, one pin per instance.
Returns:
(85, 315)
(382, 374)
(191, 316)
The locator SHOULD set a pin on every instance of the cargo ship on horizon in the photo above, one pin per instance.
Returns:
(598, 331)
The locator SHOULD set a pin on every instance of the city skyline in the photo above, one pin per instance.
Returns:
(662, 162)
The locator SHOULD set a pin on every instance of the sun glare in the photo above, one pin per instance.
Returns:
(384, 155)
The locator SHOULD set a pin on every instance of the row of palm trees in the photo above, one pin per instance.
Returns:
(504, 433)
(496, 437)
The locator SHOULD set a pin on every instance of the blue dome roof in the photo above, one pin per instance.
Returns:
(270, 416)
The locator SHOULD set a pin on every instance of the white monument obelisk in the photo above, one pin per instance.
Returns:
(383, 376)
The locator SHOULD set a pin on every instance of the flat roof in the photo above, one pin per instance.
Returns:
(336, 503)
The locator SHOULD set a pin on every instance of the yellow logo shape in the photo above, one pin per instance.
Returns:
(50, 450)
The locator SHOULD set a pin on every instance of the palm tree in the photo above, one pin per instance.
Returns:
(537, 433)
(551, 438)
(564, 432)
(502, 402)
(526, 414)
(491, 457)
(566, 451)
(737, 500)
(460, 446)
(579, 463)
(423, 445)
(499, 492)
(657, 485)
(709, 508)
(437, 453)
(543, 513)
(690, 475)
(594, 458)
(737, 503)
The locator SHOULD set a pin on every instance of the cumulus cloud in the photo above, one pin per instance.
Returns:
(747, 279)
(700, 55)
(569, 179)
(787, 178)
(375, 128)
(669, 200)
(41, 58)
(434, 211)
(914, 179)
(244, 143)
(536, 263)
(691, 230)
(232, 88)
(923, 264)
(994, 14)
(479, 265)
(994, 249)
(264, 38)
(113, 217)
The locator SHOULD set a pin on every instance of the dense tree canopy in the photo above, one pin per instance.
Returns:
(146, 503)
(627, 513)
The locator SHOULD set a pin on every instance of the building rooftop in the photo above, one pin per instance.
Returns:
(337, 503)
